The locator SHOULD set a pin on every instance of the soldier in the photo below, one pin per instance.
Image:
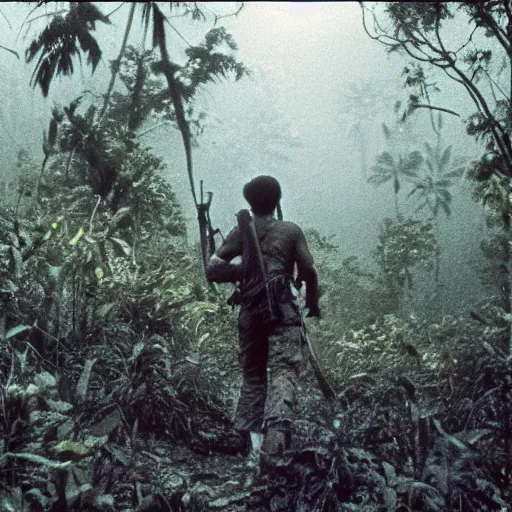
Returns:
(270, 341)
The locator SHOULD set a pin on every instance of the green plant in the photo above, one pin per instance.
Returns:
(403, 245)
(394, 168)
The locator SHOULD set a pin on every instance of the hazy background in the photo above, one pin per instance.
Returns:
(292, 118)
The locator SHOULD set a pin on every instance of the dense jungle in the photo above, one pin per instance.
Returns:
(128, 131)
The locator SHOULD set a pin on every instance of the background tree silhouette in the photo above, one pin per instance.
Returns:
(395, 168)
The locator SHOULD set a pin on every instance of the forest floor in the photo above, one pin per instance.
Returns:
(408, 434)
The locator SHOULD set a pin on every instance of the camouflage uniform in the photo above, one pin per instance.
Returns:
(270, 356)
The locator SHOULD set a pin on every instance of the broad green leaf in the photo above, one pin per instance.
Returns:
(71, 449)
(125, 247)
(104, 499)
(58, 405)
(17, 330)
(121, 454)
(104, 310)
(45, 380)
(456, 442)
(80, 233)
(32, 457)
(107, 425)
(390, 473)
(17, 260)
(390, 499)
(39, 497)
(83, 383)
(121, 214)
(137, 350)
(54, 272)
(99, 273)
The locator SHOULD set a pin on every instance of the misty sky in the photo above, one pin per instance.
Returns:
(306, 61)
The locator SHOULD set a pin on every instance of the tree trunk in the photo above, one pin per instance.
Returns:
(117, 63)
(507, 286)
(40, 178)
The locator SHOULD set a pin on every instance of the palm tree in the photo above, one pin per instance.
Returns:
(64, 38)
(394, 168)
(361, 104)
(432, 187)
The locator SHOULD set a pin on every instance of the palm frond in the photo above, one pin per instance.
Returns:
(444, 194)
(446, 207)
(417, 188)
(89, 46)
(88, 14)
(385, 159)
(443, 183)
(430, 152)
(386, 131)
(379, 179)
(413, 161)
(445, 158)
(62, 40)
(457, 173)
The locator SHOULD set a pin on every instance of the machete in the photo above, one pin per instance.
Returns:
(246, 225)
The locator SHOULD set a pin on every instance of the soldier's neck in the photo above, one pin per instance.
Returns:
(266, 216)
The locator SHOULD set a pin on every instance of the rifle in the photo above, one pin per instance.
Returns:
(206, 231)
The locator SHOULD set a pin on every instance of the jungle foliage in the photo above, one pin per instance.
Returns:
(119, 371)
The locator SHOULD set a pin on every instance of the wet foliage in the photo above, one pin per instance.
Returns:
(118, 370)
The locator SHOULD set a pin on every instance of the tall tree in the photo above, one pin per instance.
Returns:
(394, 168)
(361, 106)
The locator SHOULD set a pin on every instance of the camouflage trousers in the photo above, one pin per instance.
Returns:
(270, 357)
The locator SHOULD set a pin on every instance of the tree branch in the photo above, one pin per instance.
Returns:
(116, 64)
(10, 51)
(91, 220)
(164, 123)
(490, 22)
(494, 124)
(6, 19)
(432, 107)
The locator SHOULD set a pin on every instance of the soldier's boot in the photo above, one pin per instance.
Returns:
(277, 440)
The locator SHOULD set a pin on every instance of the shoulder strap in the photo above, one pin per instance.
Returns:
(252, 258)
